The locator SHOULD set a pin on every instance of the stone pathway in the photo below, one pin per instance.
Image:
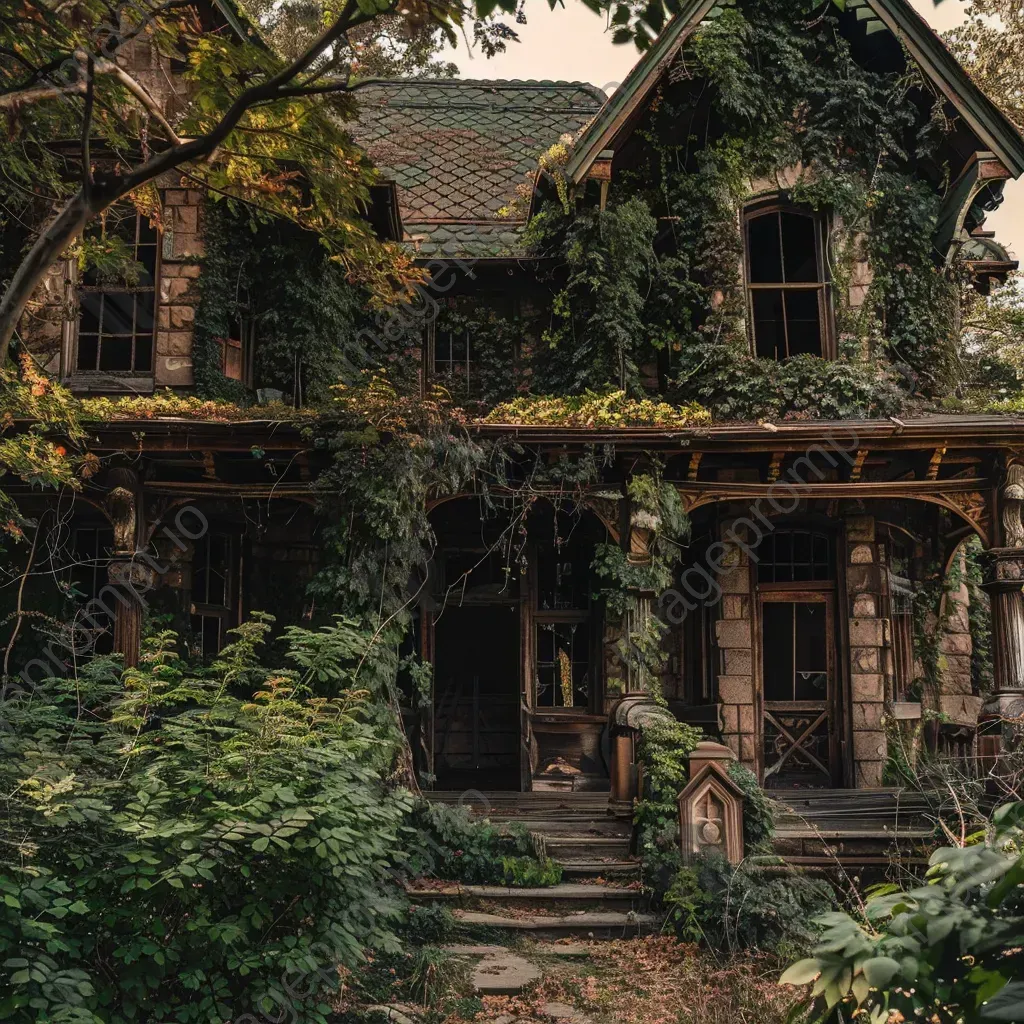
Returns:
(503, 974)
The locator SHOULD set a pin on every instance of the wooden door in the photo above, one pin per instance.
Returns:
(798, 689)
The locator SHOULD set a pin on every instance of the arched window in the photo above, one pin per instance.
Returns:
(787, 294)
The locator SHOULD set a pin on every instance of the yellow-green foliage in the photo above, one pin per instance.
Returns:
(593, 409)
(169, 405)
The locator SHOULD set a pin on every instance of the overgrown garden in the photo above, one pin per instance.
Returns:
(197, 841)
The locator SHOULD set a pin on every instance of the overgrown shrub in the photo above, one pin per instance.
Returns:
(192, 846)
(752, 906)
(664, 750)
(950, 951)
(736, 386)
(448, 843)
(758, 810)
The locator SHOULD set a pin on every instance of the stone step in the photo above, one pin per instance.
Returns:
(574, 848)
(622, 869)
(503, 974)
(566, 898)
(492, 802)
(590, 924)
(565, 825)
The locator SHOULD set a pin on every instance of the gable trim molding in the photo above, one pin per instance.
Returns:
(991, 125)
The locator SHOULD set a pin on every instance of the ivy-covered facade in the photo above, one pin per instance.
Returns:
(679, 413)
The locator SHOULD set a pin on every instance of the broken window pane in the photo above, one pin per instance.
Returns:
(563, 665)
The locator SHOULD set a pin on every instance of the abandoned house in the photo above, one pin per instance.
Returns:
(786, 617)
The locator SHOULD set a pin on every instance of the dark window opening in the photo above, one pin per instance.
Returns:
(211, 613)
(566, 627)
(116, 316)
(455, 361)
(795, 651)
(563, 665)
(786, 284)
(898, 608)
(237, 349)
(697, 632)
(92, 548)
(794, 556)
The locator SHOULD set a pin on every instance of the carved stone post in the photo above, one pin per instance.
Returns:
(1005, 586)
(711, 806)
(128, 579)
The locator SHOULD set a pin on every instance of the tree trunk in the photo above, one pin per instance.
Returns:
(46, 250)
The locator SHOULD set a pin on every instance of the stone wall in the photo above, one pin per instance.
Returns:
(955, 698)
(178, 288)
(734, 633)
(866, 640)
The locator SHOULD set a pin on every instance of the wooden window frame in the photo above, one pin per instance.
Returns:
(823, 286)
(77, 377)
(538, 617)
(827, 710)
(224, 612)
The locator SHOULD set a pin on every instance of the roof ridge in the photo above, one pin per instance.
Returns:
(518, 82)
(496, 85)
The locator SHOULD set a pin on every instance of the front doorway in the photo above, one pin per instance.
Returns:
(796, 594)
(476, 697)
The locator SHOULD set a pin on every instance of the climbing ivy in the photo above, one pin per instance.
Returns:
(651, 284)
(291, 297)
(655, 509)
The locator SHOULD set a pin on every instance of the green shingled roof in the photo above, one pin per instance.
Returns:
(457, 149)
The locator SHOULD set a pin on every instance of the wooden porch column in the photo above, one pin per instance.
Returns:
(642, 531)
(638, 621)
(1006, 704)
(128, 579)
(1005, 586)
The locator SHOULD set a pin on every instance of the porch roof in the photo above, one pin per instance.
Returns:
(980, 431)
(985, 431)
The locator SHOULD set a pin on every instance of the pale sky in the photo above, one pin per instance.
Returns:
(570, 44)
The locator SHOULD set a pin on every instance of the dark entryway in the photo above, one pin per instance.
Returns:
(476, 697)
(797, 673)
(796, 591)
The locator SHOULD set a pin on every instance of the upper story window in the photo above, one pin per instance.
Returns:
(455, 361)
(787, 291)
(116, 321)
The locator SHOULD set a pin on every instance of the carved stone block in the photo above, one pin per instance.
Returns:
(711, 815)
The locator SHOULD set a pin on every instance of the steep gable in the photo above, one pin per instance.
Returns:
(993, 129)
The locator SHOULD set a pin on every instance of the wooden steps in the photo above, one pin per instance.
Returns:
(852, 828)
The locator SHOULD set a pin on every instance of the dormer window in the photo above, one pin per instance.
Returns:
(787, 291)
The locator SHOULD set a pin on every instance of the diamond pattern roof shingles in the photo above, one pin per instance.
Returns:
(456, 149)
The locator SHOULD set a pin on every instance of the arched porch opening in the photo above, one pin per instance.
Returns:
(510, 625)
(793, 632)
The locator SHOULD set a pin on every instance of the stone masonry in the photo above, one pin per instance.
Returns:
(956, 699)
(734, 635)
(178, 296)
(866, 641)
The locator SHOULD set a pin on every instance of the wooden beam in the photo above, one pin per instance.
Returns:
(935, 462)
